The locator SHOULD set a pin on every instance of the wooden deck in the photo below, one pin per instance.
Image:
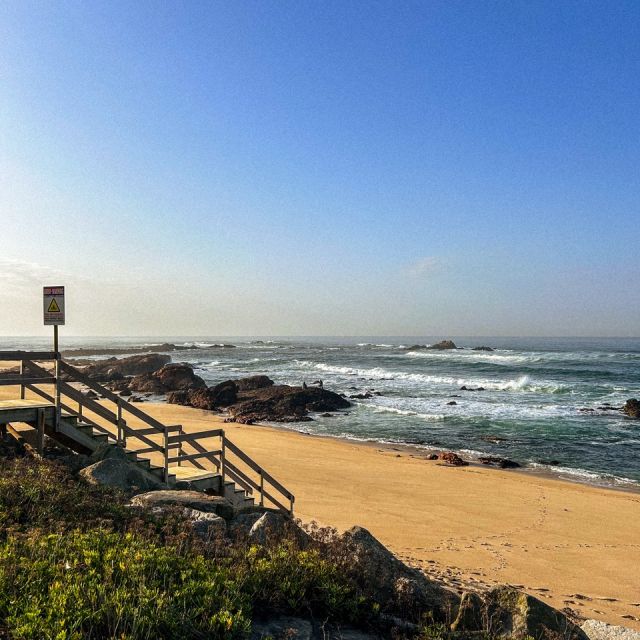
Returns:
(20, 410)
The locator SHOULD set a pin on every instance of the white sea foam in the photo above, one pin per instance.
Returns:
(522, 384)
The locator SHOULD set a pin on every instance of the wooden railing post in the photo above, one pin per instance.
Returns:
(40, 435)
(180, 432)
(222, 456)
(22, 389)
(261, 488)
(57, 393)
(166, 454)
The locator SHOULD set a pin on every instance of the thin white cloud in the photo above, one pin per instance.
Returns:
(426, 266)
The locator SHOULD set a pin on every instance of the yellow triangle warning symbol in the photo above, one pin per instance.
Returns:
(53, 306)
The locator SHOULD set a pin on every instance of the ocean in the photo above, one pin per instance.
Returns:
(529, 410)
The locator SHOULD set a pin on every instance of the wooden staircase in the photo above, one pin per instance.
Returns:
(167, 453)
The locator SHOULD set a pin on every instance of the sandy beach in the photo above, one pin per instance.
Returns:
(572, 545)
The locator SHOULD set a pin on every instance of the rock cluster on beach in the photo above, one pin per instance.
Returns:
(246, 400)
(258, 399)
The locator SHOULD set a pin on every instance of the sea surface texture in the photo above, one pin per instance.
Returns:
(529, 409)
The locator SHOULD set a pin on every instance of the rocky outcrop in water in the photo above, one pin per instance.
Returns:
(632, 408)
(483, 349)
(443, 345)
(155, 348)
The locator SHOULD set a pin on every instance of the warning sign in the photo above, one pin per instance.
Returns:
(53, 305)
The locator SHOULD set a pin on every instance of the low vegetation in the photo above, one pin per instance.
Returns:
(76, 562)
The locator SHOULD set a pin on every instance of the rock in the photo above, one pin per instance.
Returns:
(172, 377)
(389, 580)
(253, 382)
(470, 615)
(106, 451)
(117, 368)
(178, 397)
(282, 628)
(275, 526)
(465, 388)
(361, 396)
(187, 499)
(516, 614)
(125, 393)
(74, 461)
(119, 473)
(179, 377)
(241, 525)
(598, 630)
(442, 345)
(432, 456)
(452, 403)
(503, 463)
(206, 525)
(453, 459)
(632, 408)
(282, 403)
(482, 349)
(224, 394)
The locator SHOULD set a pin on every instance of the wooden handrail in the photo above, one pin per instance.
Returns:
(256, 467)
(11, 356)
(170, 439)
(109, 395)
(186, 437)
(16, 380)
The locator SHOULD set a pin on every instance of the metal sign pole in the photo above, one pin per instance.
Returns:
(53, 298)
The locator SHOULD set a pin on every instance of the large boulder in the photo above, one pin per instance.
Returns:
(118, 368)
(206, 525)
(225, 393)
(276, 526)
(176, 377)
(185, 499)
(253, 382)
(282, 403)
(511, 613)
(632, 408)
(392, 583)
(171, 377)
(119, 473)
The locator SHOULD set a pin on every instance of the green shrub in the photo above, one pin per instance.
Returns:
(38, 493)
(109, 585)
(286, 579)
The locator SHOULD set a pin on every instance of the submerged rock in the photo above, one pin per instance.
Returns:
(442, 345)
(632, 408)
(482, 349)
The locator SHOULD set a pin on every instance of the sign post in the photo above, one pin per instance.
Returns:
(53, 307)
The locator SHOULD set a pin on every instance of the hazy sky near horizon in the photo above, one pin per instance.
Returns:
(321, 168)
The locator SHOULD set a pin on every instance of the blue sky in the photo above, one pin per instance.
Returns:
(336, 168)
